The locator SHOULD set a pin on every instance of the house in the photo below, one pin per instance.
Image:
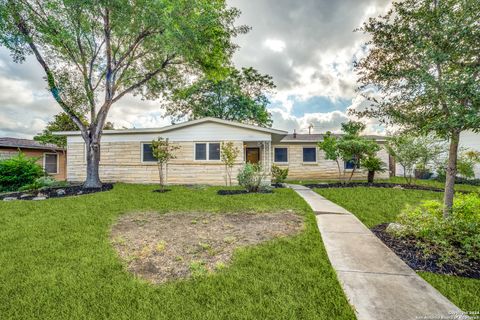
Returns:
(125, 155)
(50, 157)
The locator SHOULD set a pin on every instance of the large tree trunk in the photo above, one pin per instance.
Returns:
(451, 172)
(93, 161)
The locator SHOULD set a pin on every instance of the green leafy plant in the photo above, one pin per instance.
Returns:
(467, 159)
(19, 171)
(455, 238)
(373, 164)
(329, 145)
(229, 154)
(43, 183)
(279, 175)
(252, 178)
(163, 151)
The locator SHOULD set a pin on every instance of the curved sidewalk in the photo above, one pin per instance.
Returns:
(377, 283)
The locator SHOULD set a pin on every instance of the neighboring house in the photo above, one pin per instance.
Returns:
(50, 157)
(126, 156)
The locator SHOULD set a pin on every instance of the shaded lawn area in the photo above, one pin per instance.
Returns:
(374, 206)
(399, 180)
(57, 262)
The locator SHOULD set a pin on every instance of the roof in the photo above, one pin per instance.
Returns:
(182, 125)
(26, 144)
(314, 137)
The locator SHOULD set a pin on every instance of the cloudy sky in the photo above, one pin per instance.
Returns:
(307, 46)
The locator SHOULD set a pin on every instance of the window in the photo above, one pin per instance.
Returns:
(309, 154)
(50, 163)
(207, 151)
(281, 155)
(200, 151)
(147, 154)
(214, 151)
(350, 164)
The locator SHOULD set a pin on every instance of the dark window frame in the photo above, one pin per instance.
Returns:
(56, 162)
(152, 160)
(275, 155)
(315, 155)
(210, 151)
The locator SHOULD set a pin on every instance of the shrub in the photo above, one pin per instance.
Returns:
(18, 171)
(252, 178)
(373, 164)
(454, 238)
(279, 175)
(43, 182)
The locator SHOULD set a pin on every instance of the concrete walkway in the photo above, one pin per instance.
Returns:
(377, 283)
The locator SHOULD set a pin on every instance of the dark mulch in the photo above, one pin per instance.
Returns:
(58, 192)
(415, 258)
(162, 190)
(235, 192)
(375, 185)
(278, 185)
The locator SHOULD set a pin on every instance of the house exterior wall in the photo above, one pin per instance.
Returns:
(6, 153)
(121, 155)
(322, 168)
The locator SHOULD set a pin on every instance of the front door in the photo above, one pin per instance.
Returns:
(252, 155)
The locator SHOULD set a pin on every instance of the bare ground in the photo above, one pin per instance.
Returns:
(164, 247)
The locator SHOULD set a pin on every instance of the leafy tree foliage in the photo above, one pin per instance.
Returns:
(163, 151)
(241, 96)
(18, 171)
(423, 63)
(373, 164)
(329, 145)
(93, 53)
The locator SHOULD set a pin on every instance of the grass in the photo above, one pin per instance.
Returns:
(378, 205)
(57, 263)
(399, 180)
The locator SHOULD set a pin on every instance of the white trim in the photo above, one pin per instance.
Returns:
(141, 154)
(180, 125)
(207, 151)
(316, 155)
(288, 155)
(44, 160)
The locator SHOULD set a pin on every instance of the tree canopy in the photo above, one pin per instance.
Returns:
(241, 96)
(93, 53)
(423, 64)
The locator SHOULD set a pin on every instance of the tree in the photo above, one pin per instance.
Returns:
(241, 96)
(62, 122)
(407, 151)
(329, 145)
(229, 154)
(93, 53)
(372, 164)
(354, 148)
(163, 151)
(424, 65)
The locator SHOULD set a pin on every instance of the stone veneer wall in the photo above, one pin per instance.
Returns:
(322, 169)
(122, 162)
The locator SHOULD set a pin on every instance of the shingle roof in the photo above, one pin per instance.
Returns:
(314, 137)
(27, 144)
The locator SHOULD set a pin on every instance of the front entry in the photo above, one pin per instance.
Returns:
(252, 155)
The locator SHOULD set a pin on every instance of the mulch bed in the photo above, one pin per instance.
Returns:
(235, 192)
(375, 185)
(162, 190)
(164, 247)
(58, 192)
(415, 258)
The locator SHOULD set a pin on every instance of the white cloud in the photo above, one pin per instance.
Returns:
(275, 45)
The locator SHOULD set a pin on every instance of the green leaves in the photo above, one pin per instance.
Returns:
(241, 96)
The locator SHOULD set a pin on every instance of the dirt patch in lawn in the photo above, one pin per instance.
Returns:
(164, 247)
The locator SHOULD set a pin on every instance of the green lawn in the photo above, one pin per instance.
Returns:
(56, 262)
(378, 205)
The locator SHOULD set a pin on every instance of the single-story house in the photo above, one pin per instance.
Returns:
(126, 156)
(50, 157)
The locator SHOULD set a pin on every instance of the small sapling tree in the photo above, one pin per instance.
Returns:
(163, 151)
(372, 164)
(229, 154)
(329, 146)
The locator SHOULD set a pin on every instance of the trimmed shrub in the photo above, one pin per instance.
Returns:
(279, 175)
(453, 239)
(18, 171)
(43, 183)
(252, 178)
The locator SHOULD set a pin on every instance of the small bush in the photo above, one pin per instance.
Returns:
(453, 239)
(279, 175)
(18, 171)
(43, 183)
(252, 178)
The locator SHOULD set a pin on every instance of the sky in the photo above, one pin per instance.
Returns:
(308, 47)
